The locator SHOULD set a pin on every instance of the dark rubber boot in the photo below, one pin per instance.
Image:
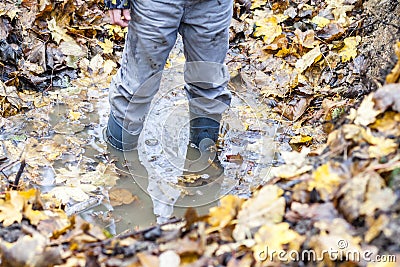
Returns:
(118, 137)
(201, 167)
(204, 131)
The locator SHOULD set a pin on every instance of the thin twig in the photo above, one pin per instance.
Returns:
(19, 173)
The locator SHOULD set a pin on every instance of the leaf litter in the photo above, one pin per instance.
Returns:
(342, 183)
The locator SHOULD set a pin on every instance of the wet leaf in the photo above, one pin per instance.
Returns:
(120, 196)
(65, 194)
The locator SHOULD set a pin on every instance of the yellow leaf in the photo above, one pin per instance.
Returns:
(308, 59)
(349, 50)
(320, 21)
(375, 227)
(74, 115)
(394, 75)
(107, 46)
(58, 33)
(275, 237)
(222, 215)
(11, 209)
(366, 114)
(383, 148)
(267, 206)
(34, 216)
(258, 3)
(325, 181)
(269, 28)
(300, 139)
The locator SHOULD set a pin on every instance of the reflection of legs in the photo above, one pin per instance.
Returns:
(205, 40)
(151, 36)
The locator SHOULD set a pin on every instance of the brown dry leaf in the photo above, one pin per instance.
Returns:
(294, 109)
(30, 251)
(275, 237)
(267, 206)
(306, 38)
(388, 96)
(352, 195)
(308, 59)
(120, 196)
(316, 212)
(394, 75)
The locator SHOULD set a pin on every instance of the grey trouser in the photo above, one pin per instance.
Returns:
(204, 27)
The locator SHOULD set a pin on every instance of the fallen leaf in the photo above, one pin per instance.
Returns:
(349, 50)
(267, 206)
(308, 59)
(268, 28)
(326, 181)
(107, 46)
(394, 75)
(366, 113)
(275, 237)
(120, 196)
(295, 164)
(222, 215)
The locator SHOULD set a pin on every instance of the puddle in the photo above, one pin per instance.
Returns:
(64, 149)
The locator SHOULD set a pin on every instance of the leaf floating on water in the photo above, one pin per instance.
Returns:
(120, 196)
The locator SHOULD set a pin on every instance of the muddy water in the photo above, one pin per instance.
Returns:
(157, 173)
